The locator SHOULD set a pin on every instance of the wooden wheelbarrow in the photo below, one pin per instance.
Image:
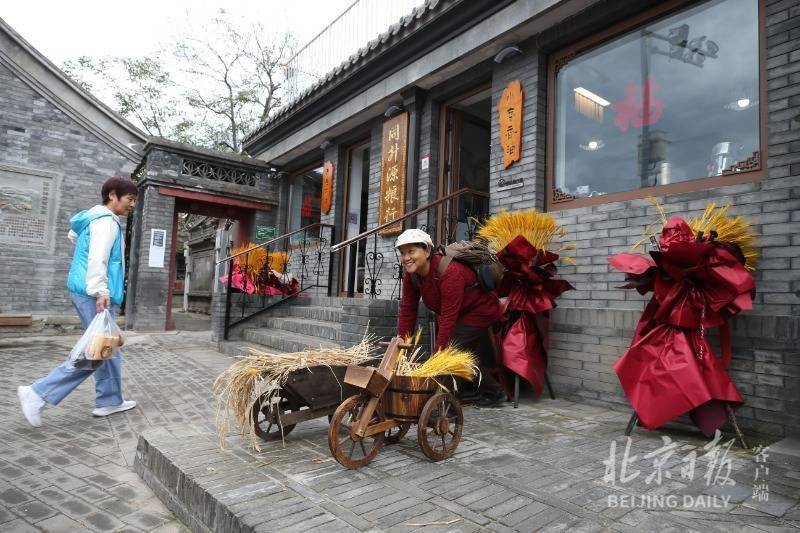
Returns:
(307, 394)
(386, 408)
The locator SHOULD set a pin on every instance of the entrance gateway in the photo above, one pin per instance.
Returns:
(175, 178)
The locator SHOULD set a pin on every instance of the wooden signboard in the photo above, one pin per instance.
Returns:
(393, 172)
(327, 187)
(510, 109)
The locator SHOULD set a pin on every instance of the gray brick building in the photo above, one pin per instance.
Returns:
(687, 101)
(58, 144)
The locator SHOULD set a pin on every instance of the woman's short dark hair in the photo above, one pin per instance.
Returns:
(120, 186)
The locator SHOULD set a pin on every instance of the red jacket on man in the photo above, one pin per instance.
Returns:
(455, 297)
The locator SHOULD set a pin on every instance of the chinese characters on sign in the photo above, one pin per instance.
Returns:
(510, 111)
(327, 187)
(158, 246)
(393, 172)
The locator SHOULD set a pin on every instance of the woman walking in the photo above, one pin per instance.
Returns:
(96, 282)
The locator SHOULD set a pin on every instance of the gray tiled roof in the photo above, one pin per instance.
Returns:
(396, 33)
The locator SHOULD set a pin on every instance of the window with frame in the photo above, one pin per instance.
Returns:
(669, 106)
(305, 199)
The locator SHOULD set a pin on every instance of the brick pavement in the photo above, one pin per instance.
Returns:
(539, 467)
(76, 472)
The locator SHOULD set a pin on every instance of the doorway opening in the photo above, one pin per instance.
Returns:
(356, 211)
(466, 150)
(208, 232)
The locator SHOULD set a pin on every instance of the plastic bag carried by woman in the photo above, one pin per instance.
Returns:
(100, 341)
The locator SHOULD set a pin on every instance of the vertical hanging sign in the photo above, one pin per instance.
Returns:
(510, 111)
(393, 172)
(327, 187)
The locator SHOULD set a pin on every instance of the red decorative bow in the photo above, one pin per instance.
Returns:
(531, 288)
(670, 368)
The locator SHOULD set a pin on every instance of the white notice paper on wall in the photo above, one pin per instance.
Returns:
(158, 243)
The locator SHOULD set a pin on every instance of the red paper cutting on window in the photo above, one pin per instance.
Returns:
(631, 110)
(307, 209)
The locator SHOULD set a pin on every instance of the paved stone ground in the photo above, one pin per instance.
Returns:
(189, 321)
(539, 467)
(76, 472)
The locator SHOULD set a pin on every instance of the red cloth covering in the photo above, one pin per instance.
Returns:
(670, 368)
(271, 282)
(531, 288)
(454, 297)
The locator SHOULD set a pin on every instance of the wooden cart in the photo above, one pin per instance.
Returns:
(307, 394)
(385, 410)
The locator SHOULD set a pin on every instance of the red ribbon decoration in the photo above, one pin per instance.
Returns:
(670, 368)
(531, 289)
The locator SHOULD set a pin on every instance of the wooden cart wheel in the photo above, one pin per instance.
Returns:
(266, 417)
(353, 452)
(439, 427)
(396, 434)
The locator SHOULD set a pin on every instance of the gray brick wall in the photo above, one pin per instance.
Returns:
(529, 70)
(35, 135)
(152, 283)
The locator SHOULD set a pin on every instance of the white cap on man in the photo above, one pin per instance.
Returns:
(414, 236)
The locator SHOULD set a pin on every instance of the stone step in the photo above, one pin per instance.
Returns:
(326, 331)
(335, 301)
(313, 312)
(229, 491)
(241, 348)
(284, 341)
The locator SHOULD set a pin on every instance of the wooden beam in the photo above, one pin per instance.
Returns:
(214, 199)
(15, 320)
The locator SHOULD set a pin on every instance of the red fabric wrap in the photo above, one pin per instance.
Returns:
(670, 369)
(531, 288)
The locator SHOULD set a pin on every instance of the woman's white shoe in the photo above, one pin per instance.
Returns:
(126, 405)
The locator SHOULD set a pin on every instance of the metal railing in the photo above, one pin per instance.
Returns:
(354, 28)
(451, 218)
(302, 268)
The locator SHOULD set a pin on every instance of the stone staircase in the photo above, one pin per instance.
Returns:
(304, 323)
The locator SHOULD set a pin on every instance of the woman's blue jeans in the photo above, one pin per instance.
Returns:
(63, 379)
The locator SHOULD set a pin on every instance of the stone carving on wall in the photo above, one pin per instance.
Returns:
(27, 207)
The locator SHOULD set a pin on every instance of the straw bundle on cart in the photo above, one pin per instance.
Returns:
(260, 376)
(416, 380)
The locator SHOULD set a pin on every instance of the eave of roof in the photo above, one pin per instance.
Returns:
(205, 153)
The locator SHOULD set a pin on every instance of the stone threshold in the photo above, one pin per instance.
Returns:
(225, 491)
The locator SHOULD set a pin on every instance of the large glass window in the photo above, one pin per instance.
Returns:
(673, 101)
(305, 198)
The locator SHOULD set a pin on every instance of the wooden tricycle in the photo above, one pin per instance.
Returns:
(385, 409)
(307, 394)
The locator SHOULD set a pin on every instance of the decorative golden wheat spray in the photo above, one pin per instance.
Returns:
(539, 229)
(733, 229)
